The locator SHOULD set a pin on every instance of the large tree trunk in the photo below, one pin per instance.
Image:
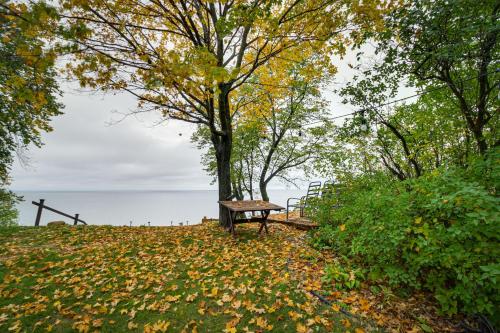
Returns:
(477, 131)
(263, 190)
(224, 177)
(223, 145)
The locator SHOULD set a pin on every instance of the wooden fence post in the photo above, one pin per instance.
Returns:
(39, 212)
(76, 219)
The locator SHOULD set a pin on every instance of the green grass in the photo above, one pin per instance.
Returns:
(197, 278)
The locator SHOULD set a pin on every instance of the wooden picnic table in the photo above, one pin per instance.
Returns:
(243, 206)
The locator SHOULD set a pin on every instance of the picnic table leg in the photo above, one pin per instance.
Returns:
(263, 224)
(231, 224)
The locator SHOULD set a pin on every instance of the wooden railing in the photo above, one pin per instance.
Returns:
(41, 206)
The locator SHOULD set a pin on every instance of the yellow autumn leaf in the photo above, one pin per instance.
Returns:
(172, 299)
(261, 322)
(161, 326)
(15, 327)
(226, 298)
(236, 304)
(97, 323)
(131, 325)
(346, 323)
(301, 328)
(294, 315)
(191, 297)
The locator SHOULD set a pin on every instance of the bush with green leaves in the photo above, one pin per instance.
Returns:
(342, 277)
(439, 232)
(8, 211)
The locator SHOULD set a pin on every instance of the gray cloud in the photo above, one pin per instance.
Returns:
(85, 153)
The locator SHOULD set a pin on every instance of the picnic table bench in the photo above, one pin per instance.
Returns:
(243, 206)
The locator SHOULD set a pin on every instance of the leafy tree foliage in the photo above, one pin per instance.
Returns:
(408, 140)
(28, 89)
(450, 58)
(438, 44)
(8, 211)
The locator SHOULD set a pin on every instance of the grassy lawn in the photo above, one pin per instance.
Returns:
(157, 279)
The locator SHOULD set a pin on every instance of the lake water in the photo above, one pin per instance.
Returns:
(161, 208)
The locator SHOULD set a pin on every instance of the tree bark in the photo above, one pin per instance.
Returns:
(223, 155)
(237, 189)
(223, 142)
(263, 190)
(412, 161)
(487, 47)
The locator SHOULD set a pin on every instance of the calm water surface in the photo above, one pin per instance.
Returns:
(140, 207)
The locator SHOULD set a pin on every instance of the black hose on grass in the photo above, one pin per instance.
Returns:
(324, 300)
(485, 326)
(346, 313)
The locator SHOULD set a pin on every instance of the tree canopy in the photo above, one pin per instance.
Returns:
(433, 45)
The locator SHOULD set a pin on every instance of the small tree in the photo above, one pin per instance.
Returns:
(246, 138)
(290, 115)
(282, 132)
(245, 159)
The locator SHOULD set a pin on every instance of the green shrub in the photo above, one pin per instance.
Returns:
(439, 232)
(343, 278)
(8, 211)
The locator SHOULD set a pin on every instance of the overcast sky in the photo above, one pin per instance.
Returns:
(89, 150)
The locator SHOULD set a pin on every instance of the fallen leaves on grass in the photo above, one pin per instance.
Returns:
(187, 279)
(180, 279)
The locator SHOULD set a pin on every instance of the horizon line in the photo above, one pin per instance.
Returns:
(134, 190)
